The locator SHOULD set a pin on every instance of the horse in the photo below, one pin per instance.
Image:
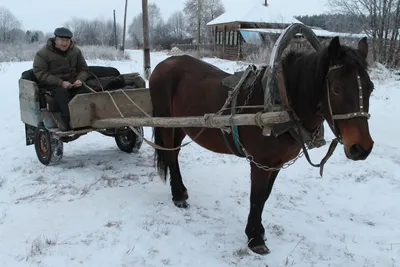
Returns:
(332, 84)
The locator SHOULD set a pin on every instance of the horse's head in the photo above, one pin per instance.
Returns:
(345, 105)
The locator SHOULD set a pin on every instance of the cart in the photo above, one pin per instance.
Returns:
(37, 108)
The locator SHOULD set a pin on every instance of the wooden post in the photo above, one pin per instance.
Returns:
(238, 42)
(115, 32)
(198, 26)
(146, 37)
(123, 38)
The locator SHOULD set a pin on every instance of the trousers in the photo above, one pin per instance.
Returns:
(63, 96)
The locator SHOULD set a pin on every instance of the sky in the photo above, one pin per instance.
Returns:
(46, 15)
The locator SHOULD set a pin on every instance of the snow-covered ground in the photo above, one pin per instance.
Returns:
(102, 207)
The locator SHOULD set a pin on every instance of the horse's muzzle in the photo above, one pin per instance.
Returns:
(358, 152)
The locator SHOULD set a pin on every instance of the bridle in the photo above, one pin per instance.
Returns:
(298, 135)
(335, 117)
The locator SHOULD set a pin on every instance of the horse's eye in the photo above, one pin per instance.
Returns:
(336, 90)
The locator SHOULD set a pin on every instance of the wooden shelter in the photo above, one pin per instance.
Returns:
(242, 30)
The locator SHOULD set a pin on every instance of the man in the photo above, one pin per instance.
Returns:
(61, 68)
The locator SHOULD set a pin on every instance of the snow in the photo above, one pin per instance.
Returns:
(102, 207)
(273, 13)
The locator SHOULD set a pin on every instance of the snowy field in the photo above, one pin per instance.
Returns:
(102, 207)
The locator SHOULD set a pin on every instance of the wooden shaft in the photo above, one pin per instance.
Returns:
(269, 118)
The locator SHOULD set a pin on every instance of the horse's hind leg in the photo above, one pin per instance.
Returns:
(178, 189)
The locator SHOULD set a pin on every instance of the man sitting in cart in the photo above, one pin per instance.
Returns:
(60, 67)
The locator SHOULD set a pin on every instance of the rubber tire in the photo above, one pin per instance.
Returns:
(53, 153)
(127, 141)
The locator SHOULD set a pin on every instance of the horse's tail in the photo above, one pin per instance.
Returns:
(161, 100)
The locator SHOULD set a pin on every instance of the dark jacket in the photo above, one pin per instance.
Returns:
(52, 66)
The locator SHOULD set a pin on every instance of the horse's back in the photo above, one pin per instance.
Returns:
(187, 86)
(187, 75)
(186, 64)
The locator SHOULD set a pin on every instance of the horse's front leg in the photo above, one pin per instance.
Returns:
(261, 186)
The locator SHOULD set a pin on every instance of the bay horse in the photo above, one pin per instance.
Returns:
(332, 84)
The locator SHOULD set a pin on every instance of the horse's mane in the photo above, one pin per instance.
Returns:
(307, 72)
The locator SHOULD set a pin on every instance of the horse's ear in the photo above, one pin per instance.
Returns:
(363, 47)
(334, 49)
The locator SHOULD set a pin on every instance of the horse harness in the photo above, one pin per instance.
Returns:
(247, 81)
(294, 127)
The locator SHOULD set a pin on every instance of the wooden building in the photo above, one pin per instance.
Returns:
(241, 31)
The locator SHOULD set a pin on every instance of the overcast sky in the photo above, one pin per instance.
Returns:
(46, 15)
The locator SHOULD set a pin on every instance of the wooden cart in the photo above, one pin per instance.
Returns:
(41, 129)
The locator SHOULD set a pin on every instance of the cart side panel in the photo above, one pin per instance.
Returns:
(29, 102)
(85, 108)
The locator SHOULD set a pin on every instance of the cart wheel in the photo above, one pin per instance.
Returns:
(49, 149)
(128, 141)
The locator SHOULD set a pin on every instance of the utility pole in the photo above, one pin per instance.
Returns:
(146, 37)
(123, 38)
(198, 26)
(115, 31)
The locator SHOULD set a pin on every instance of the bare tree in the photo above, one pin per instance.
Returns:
(77, 26)
(209, 10)
(9, 25)
(135, 29)
(155, 17)
(94, 32)
(32, 36)
(176, 25)
(383, 17)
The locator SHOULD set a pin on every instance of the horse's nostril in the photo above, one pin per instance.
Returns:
(356, 149)
(358, 152)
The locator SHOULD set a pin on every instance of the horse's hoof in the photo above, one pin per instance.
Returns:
(261, 250)
(182, 204)
(257, 245)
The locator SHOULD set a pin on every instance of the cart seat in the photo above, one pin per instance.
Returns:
(109, 77)
(46, 99)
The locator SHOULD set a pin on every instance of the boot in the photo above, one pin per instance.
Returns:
(62, 123)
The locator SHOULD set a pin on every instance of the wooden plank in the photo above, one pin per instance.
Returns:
(29, 102)
(267, 119)
(59, 133)
(86, 108)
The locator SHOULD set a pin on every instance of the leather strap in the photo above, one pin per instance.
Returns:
(238, 151)
(329, 153)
